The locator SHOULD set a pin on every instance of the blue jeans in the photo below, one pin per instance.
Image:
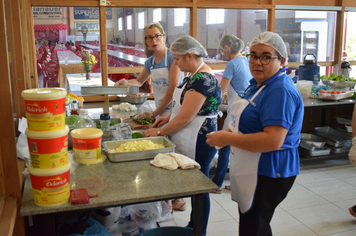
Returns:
(203, 155)
(223, 163)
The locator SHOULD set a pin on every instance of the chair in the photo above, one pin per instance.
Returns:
(50, 76)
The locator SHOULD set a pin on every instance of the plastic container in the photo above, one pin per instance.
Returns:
(48, 150)
(105, 126)
(45, 109)
(86, 144)
(171, 231)
(50, 187)
(305, 87)
(84, 120)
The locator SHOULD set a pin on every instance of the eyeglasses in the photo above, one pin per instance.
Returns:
(156, 37)
(265, 60)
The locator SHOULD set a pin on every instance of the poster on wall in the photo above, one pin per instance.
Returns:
(93, 27)
(90, 13)
(47, 12)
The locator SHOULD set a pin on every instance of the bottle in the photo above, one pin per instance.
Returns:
(74, 108)
(105, 126)
(84, 120)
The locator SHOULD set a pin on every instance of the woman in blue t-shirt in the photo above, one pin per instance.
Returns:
(264, 135)
(235, 80)
(195, 108)
(166, 75)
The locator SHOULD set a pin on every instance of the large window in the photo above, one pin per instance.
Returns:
(180, 15)
(157, 15)
(349, 50)
(119, 22)
(129, 22)
(245, 24)
(141, 20)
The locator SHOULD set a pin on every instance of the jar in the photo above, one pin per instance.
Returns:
(105, 126)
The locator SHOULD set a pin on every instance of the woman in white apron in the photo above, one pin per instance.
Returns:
(235, 80)
(264, 134)
(195, 108)
(160, 65)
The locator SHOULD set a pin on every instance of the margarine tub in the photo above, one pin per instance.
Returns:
(48, 150)
(50, 187)
(86, 144)
(45, 108)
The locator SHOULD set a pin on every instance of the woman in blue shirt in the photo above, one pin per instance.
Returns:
(264, 135)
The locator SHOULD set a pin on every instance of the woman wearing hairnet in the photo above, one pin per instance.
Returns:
(264, 135)
(235, 80)
(195, 108)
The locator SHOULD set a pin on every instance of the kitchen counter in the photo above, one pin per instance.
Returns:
(124, 183)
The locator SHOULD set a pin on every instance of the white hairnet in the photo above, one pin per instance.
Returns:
(273, 40)
(187, 44)
(234, 43)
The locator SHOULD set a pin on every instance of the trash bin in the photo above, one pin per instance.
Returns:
(171, 231)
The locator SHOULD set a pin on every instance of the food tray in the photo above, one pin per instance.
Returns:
(336, 84)
(137, 155)
(315, 152)
(339, 150)
(335, 97)
(345, 120)
(311, 140)
(333, 137)
(109, 90)
(344, 131)
(133, 100)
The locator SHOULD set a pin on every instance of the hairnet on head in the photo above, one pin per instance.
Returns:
(273, 40)
(187, 44)
(234, 43)
(157, 25)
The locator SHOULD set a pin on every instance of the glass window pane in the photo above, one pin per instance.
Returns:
(180, 15)
(215, 16)
(120, 23)
(245, 24)
(349, 51)
(129, 22)
(59, 45)
(157, 15)
(307, 32)
(141, 20)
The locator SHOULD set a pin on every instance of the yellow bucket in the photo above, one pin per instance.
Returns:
(48, 150)
(86, 144)
(45, 108)
(50, 187)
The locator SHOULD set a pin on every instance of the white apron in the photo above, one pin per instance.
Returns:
(185, 139)
(231, 97)
(160, 81)
(243, 164)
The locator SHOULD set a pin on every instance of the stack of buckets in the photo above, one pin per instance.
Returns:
(47, 138)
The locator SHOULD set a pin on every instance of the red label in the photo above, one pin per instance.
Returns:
(51, 182)
(55, 107)
(52, 145)
(85, 144)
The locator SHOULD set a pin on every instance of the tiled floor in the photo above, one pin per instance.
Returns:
(317, 204)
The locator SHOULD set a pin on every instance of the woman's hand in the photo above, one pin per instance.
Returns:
(145, 115)
(150, 132)
(122, 82)
(216, 139)
(160, 121)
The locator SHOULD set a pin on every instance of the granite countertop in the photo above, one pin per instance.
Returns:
(122, 184)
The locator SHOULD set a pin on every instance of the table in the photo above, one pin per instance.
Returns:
(92, 47)
(121, 46)
(74, 66)
(127, 57)
(121, 184)
(74, 82)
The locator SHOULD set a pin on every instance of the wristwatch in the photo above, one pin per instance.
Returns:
(159, 132)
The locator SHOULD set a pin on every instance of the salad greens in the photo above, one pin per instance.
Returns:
(112, 122)
(338, 78)
(144, 121)
(137, 135)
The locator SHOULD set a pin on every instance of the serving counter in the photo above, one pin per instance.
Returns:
(119, 184)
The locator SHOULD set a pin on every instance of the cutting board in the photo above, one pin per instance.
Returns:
(136, 125)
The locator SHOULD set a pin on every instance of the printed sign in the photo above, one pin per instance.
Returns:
(90, 13)
(47, 12)
(93, 27)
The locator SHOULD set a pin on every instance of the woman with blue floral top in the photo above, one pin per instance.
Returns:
(195, 108)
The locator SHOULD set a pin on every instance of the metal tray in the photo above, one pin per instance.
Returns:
(133, 100)
(344, 120)
(109, 90)
(311, 140)
(138, 155)
(339, 150)
(316, 152)
(333, 137)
